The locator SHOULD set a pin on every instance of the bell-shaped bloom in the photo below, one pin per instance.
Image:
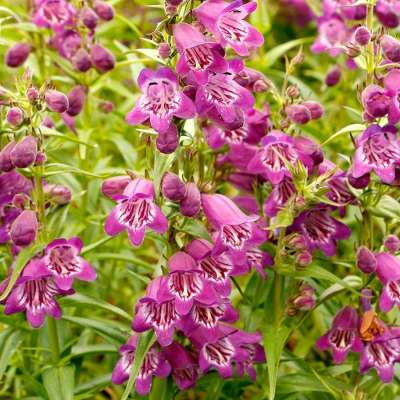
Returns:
(157, 311)
(280, 194)
(388, 13)
(343, 335)
(54, 14)
(388, 271)
(296, 11)
(227, 23)
(376, 100)
(184, 366)
(154, 364)
(12, 183)
(333, 34)
(35, 293)
(197, 53)
(136, 210)
(381, 353)
(366, 260)
(62, 260)
(67, 43)
(320, 229)
(344, 8)
(191, 203)
(390, 48)
(378, 149)
(234, 228)
(115, 185)
(392, 86)
(161, 100)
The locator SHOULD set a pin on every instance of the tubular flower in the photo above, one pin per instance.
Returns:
(136, 210)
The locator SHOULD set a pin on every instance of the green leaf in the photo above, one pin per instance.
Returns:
(145, 341)
(8, 349)
(162, 162)
(353, 281)
(90, 349)
(195, 228)
(59, 382)
(23, 257)
(387, 207)
(93, 246)
(126, 149)
(346, 129)
(94, 384)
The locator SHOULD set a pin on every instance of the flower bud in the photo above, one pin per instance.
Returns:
(366, 260)
(391, 48)
(261, 86)
(305, 300)
(81, 60)
(190, 205)
(365, 299)
(58, 194)
(24, 153)
(24, 228)
(375, 101)
(89, 18)
(21, 200)
(48, 122)
(304, 258)
(104, 10)
(292, 91)
(115, 185)
(333, 76)
(41, 158)
(56, 101)
(362, 35)
(352, 50)
(172, 187)
(359, 183)
(298, 114)
(164, 50)
(297, 241)
(315, 109)
(168, 141)
(106, 106)
(6, 163)
(392, 243)
(15, 116)
(32, 94)
(17, 54)
(76, 100)
(102, 58)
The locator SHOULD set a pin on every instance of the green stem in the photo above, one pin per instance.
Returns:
(277, 297)
(53, 336)
(370, 48)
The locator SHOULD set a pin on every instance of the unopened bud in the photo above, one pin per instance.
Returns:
(15, 116)
(304, 258)
(164, 50)
(24, 152)
(58, 194)
(76, 100)
(104, 10)
(168, 141)
(6, 163)
(333, 76)
(81, 60)
(24, 228)
(41, 158)
(261, 86)
(56, 101)
(392, 243)
(89, 18)
(190, 205)
(362, 35)
(391, 48)
(102, 59)
(292, 91)
(32, 94)
(21, 200)
(315, 109)
(17, 54)
(106, 106)
(298, 114)
(366, 260)
(115, 185)
(172, 187)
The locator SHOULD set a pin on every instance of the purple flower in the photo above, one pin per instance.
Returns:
(54, 14)
(154, 364)
(115, 185)
(172, 187)
(35, 294)
(62, 260)
(345, 8)
(280, 194)
(157, 311)
(15, 116)
(296, 11)
(392, 243)
(81, 60)
(298, 114)
(226, 22)
(343, 335)
(197, 53)
(24, 228)
(102, 58)
(184, 366)
(67, 43)
(76, 100)
(250, 258)
(392, 86)
(378, 149)
(135, 211)
(104, 10)
(6, 163)
(17, 54)
(388, 12)
(381, 353)
(12, 183)
(332, 36)
(366, 261)
(24, 152)
(161, 100)
(191, 202)
(168, 141)
(234, 228)
(375, 101)
(391, 48)
(56, 101)
(333, 76)
(320, 229)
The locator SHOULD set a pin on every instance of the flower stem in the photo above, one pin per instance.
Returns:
(53, 336)
(370, 48)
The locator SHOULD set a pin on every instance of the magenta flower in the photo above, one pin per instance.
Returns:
(234, 228)
(388, 12)
(376, 101)
(226, 22)
(280, 194)
(62, 260)
(161, 100)
(345, 8)
(392, 86)
(35, 294)
(67, 43)
(154, 364)
(197, 53)
(184, 366)
(381, 353)
(136, 210)
(343, 335)
(297, 11)
(250, 258)
(320, 229)
(157, 311)
(378, 149)
(54, 14)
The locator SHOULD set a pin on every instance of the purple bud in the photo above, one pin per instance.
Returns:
(89, 18)
(41, 158)
(298, 114)
(24, 228)
(315, 109)
(164, 50)
(365, 299)
(102, 58)
(392, 243)
(115, 185)
(48, 122)
(24, 153)
(15, 116)
(6, 164)
(362, 35)
(172, 187)
(167, 141)
(391, 48)
(32, 94)
(81, 60)
(58, 194)
(191, 203)
(366, 260)
(292, 91)
(17, 54)
(56, 101)
(333, 76)
(106, 106)
(104, 10)
(375, 101)
(21, 200)
(260, 86)
(304, 258)
(76, 100)
(359, 183)
(304, 301)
